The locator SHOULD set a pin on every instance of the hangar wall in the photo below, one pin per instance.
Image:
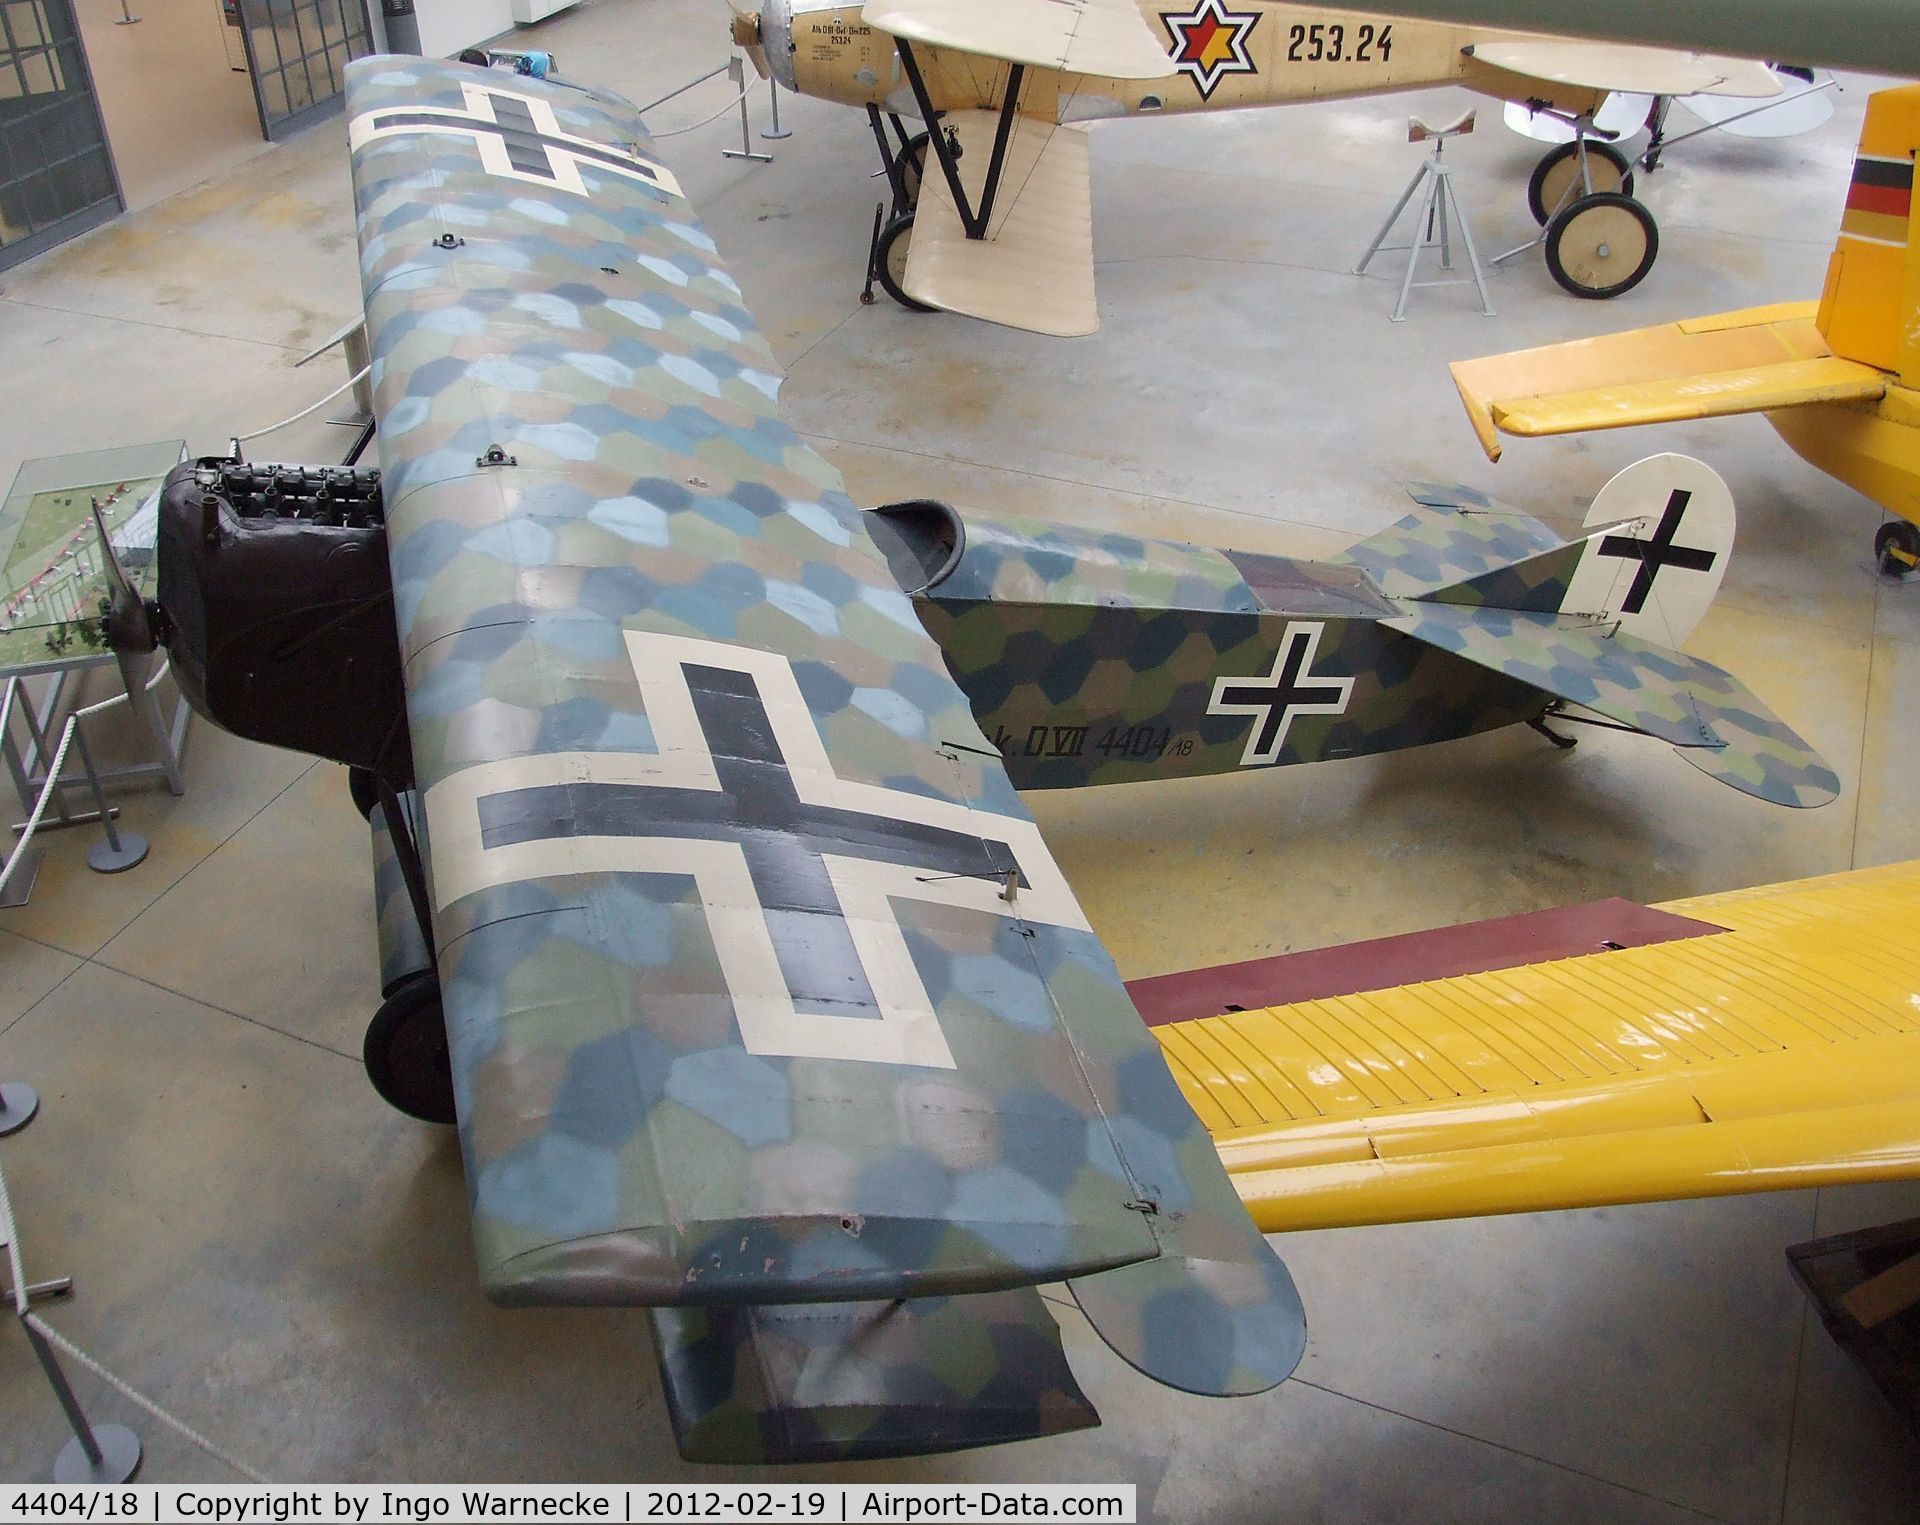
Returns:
(447, 26)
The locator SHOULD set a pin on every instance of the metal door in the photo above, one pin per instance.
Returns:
(56, 176)
(297, 52)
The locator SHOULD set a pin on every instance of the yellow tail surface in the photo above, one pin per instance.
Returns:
(1868, 309)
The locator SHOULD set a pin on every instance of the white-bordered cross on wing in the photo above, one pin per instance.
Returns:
(519, 138)
(796, 868)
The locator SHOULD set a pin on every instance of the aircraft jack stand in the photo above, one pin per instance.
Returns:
(1441, 202)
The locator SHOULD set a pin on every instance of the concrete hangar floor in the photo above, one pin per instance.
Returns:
(263, 1246)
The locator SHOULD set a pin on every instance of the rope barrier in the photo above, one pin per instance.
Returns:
(352, 381)
(693, 126)
(53, 1337)
(40, 805)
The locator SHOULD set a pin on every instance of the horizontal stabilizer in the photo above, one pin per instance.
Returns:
(1680, 699)
(856, 1381)
(1104, 38)
(1034, 269)
(1463, 535)
(1740, 362)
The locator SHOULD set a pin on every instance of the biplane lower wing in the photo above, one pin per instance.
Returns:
(812, 1382)
(761, 987)
(1624, 66)
(1759, 1040)
(1034, 268)
(1752, 361)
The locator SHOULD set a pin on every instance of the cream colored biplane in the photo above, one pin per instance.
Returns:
(1004, 230)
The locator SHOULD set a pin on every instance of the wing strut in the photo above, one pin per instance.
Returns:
(975, 222)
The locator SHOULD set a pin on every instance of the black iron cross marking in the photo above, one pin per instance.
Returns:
(1658, 552)
(1286, 691)
(519, 138)
(785, 840)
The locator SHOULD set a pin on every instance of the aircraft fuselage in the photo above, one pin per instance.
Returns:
(1243, 53)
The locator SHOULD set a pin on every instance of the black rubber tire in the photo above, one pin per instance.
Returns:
(363, 789)
(1581, 239)
(1548, 182)
(1896, 535)
(894, 239)
(913, 168)
(406, 1051)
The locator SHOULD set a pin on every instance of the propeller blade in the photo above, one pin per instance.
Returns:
(129, 628)
(746, 37)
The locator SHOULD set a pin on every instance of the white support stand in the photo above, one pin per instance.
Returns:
(1439, 209)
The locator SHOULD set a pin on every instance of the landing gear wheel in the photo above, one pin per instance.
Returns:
(1607, 168)
(890, 261)
(406, 1051)
(363, 789)
(913, 168)
(1602, 245)
(1896, 548)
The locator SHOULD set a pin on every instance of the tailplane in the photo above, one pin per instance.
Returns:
(1596, 622)
(1657, 541)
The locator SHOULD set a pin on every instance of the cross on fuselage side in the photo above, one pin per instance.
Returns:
(1658, 552)
(1286, 691)
(785, 840)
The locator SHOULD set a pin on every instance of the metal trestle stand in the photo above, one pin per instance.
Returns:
(1439, 210)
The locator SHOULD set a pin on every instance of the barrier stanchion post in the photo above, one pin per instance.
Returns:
(18, 1104)
(114, 855)
(775, 131)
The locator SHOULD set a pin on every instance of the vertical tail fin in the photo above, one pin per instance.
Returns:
(1868, 309)
(1656, 545)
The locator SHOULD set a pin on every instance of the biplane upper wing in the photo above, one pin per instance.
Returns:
(1034, 268)
(1107, 39)
(1750, 361)
(1623, 66)
(761, 987)
(1751, 1041)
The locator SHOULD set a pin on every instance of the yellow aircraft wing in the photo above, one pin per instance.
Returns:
(1107, 39)
(1034, 269)
(1750, 361)
(1623, 66)
(1752, 1041)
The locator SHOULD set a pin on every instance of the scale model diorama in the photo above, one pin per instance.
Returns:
(1009, 237)
(711, 911)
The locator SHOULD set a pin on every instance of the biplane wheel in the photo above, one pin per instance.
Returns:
(406, 1051)
(1602, 245)
(1896, 548)
(890, 261)
(1559, 169)
(364, 791)
(913, 166)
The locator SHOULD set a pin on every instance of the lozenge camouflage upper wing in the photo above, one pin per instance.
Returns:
(760, 984)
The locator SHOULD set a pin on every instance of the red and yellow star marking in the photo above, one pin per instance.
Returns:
(1210, 42)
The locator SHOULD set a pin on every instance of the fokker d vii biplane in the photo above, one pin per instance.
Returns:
(711, 914)
(999, 223)
(1839, 379)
